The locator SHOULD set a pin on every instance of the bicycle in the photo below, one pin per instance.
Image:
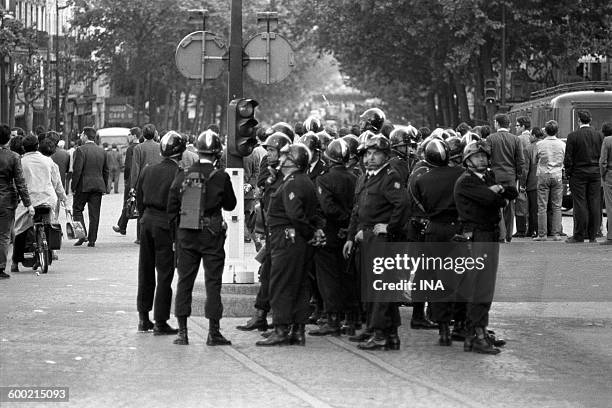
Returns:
(42, 226)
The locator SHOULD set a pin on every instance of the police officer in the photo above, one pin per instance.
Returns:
(478, 199)
(353, 144)
(434, 192)
(335, 191)
(378, 216)
(195, 201)
(372, 119)
(291, 223)
(400, 153)
(268, 185)
(155, 242)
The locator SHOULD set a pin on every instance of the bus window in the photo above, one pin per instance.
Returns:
(598, 117)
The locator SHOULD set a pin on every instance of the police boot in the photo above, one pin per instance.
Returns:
(377, 342)
(144, 324)
(480, 343)
(494, 340)
(315, 316)
(363, 336)
(459, 331)
(419, 321)
(279, 337)
(182, 331)
(393, 340)
(348, 328)
(445, 336)
(162, 328)
(297, 336)
(258, 321)
(331, 327)
(215, 338)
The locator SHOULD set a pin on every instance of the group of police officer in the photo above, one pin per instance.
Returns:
(321, 201)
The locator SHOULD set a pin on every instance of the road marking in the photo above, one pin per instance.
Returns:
(258, 369)
(405, 376)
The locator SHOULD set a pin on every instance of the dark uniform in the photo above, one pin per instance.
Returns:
(380, 198)
(206, 245)
(335, 191)
(155, 240)
(402, 167)
(292, 208)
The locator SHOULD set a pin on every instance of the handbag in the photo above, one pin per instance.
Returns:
(74, 229)
(130, 209)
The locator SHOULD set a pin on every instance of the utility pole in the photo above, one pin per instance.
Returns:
(234, 86)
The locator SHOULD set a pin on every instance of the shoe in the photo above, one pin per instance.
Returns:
(4, 275)
(215, 338)
(376, 342)
(540, 238)
(267, 334)
(118, 230)
(330, 327)
(80, 241)
(279, 337)
(445, 336)
(562, 234)
(182, 338)
(163, 329)
(145, 325)
(314, 317)
(422, 324)
(518, 235)
(557, 238)
(137, 242)
(364, 336)
(14, 267)
(494, 341)
(572, 240)
(297, 336)
(393, 342)
(91, 244)
(606, 242)
(348, 329)
(258, 321)
(479, 343)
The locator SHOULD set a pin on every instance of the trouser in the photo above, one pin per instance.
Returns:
(93, 201)
(550, 189)
(123, 218)
(607, 193)
(7, 218)
(330, 270)
(586, 194)
(415, 232)
(522, 203)
(532, 199)
(155, 253)
(381, 315)
(113, 180)
(482, 287)
(262, 301)
(194, 246)
(311, 271)
(68, 180)
(289, 285)
(506, 225)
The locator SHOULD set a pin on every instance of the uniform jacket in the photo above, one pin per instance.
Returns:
(219, 192)
(583, 147)
(379, 199)
(153, 188)
(12, 183)
(145, 153)
(294, 204)
(413, 207)
(319, 168)
(507, 159)
(434, 191)
(402, 167)
(476, 203)
(90, 173)
(336, 192)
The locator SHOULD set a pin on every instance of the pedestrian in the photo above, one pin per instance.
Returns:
(156, 251)
(133, 137)
(479, 198)
(605, 168)
(583, 148)
(378, 216)
(523, 125)
(113, 157)
(335, 192)
(529, 182)
(292, 225)
(60, 156)
(70, 152)
(269, 181)
(12, 189)
(90, 178)
(549, 154)
(196, 198)
(507, 163)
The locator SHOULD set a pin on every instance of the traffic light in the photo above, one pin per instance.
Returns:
(490, 90)
(241, 127)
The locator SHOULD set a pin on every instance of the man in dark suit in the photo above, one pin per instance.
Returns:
(90, 177)
(135, 134)
(582, 151)
(507, 163)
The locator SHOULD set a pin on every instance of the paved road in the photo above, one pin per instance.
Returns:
(76, 327)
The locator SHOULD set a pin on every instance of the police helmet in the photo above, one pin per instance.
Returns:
(437, 153)
(476, 147)
(363, 140)
(338, 151)
(298, 153)
(311, 141)
(380, 143)
(277, 140)
(353, 143)
(455, 147)
(313, 124)
(282, 127)
(209, 143)
(372, 119)
(325, 139)
(172, 144)
(400, 137)
(470, 137)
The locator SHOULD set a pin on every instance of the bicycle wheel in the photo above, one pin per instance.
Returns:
(43, 250)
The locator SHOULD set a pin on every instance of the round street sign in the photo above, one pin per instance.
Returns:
(197, 59)
(271, 58)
